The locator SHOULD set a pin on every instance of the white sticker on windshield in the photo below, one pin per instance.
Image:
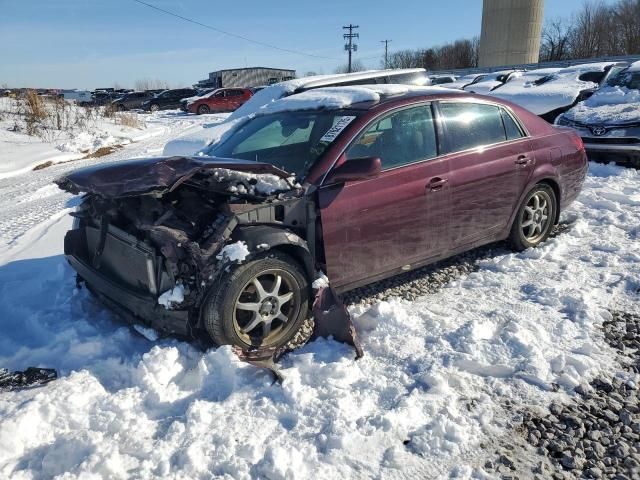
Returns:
(334, 131)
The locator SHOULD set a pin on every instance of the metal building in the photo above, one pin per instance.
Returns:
(511, 32)
(246, 77)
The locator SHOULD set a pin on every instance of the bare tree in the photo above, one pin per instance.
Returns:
(356, 66)
(149, 84)
(555, 41)
(590, 29)
(626, 15)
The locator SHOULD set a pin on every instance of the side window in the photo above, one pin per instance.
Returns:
(511, 127)
(398, 139)
(471, 125)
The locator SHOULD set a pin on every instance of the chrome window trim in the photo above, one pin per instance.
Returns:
(506, 108)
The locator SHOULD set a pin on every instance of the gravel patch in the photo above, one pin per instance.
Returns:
(596, 434)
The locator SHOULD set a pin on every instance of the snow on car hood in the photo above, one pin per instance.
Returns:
(158, 175)
(608, 105)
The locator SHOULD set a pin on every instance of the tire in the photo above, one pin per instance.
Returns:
(154, 107)
(121, 107)
(245, 327)
(535, 218)
(203, 109)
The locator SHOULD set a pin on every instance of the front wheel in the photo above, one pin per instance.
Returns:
(261, 303)
(535, 218)
(154, 107)
(203, 109)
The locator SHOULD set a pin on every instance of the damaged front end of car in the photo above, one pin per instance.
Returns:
(152, 237)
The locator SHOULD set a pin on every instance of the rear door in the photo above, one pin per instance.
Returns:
(490, 161)
(234, 98)
(376, 227)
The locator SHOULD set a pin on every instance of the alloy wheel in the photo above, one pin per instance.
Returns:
(536, 218)
(266, 304)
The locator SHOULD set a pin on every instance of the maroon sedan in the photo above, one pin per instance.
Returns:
(230, 244)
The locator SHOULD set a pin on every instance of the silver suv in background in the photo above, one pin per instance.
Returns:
(609, 120)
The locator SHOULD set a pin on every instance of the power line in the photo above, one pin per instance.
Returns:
(386, 52)
(235, 35)
(350, 47)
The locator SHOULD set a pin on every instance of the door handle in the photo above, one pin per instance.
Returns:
(436, 184)
(522, 160)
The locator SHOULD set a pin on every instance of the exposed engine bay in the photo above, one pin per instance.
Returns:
(156, 245)
(190, 224)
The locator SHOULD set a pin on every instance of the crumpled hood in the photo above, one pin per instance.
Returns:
(160, 174)
(608, 105)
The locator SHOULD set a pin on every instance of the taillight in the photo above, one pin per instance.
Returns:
(577, 140)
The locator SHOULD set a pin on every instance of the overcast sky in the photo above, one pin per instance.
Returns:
(95, 43)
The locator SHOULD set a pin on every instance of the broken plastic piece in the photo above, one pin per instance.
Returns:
(331, 318)
(263, 358)
(31, 377)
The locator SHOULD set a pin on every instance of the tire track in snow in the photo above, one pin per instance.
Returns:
(22, 208)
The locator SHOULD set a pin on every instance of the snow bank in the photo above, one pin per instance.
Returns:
(423, 402)
(20, 152)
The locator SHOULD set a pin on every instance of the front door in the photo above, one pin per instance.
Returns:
(376, 227)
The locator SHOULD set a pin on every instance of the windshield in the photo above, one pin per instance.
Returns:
(625, 79)
(291, 141)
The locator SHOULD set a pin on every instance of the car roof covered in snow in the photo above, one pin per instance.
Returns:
(634, 67)
(356, 97)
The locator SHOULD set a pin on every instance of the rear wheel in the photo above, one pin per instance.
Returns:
(261, 303)
(535, 218)
(203, 109)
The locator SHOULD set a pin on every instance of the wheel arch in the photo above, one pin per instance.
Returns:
(262, 238)
(551, 182)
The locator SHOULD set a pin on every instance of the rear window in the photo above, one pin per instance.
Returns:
(595, 77)
(471, 125)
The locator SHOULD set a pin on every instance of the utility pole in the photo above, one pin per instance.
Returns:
(350, 47)
(386, 52)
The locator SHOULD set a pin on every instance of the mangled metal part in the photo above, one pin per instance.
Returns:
(263, 358)
(332, 319)
(31, 377)
(152, 175)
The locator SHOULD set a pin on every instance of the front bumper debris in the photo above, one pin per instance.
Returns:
(31, 377)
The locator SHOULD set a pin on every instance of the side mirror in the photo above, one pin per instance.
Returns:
(355, 169)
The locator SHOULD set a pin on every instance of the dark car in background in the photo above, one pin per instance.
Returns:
(229, 244)
(169, 99)
(132, 100)
(220, 100)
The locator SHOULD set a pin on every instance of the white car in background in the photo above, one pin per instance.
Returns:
(194, 141)
(492, 80)
(442, 79)
(550, 95)
(466, 80)
(609, 120)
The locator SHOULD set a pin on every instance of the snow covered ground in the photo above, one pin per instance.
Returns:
(426, 401)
